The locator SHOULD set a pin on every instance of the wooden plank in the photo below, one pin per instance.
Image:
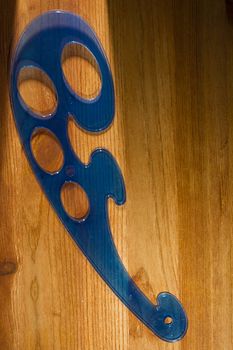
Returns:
(173, 138)
(56, 300)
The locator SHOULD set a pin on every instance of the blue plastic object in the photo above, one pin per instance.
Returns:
(41, 46)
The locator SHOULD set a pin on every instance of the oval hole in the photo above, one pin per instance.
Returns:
(47, 150)
(37, 91)
(81, 71)
(75, 200)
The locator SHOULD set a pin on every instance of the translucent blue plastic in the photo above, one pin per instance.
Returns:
(41, 46)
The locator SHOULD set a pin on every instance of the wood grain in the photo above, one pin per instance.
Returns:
(172, 63)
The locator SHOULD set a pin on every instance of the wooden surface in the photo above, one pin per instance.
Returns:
(172, 63)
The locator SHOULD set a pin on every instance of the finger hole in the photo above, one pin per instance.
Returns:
(81, 71)
(47, 150)
(75, 201)
(37, 91)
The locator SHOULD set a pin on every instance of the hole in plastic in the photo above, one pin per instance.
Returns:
(81, 71)
(37, 91)
(75, 201)
(47, 150)
(168, 320)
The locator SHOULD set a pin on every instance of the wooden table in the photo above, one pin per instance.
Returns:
(172, 135)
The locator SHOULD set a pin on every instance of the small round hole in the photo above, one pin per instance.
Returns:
(168, 320)
(47, 150)
(81, 71)
(37, 91)
(75, 200)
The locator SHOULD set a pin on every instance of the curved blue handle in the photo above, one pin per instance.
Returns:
(41, 46)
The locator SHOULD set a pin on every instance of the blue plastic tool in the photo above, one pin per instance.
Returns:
(41, 46)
